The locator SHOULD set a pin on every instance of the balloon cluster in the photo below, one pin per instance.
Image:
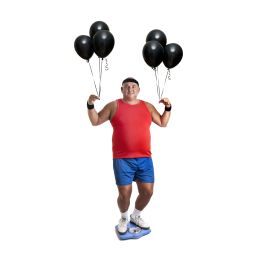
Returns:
(101, 42)
(156, 51)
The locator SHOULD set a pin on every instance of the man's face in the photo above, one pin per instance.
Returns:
(130, 90)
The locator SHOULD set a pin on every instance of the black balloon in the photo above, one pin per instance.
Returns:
(172, 55)
(157, 35)
(103, 42)
(97, 26)
(153, 53)
(84, 47)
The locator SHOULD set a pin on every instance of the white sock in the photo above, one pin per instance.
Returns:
(124, 214)
(136, 213)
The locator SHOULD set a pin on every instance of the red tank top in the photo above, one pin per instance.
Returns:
(131, 135)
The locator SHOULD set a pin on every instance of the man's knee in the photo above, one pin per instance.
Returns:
(146, 193)
(125, 193)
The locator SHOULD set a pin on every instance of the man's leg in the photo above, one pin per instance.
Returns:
(123, 202)
(145, 193)
(123, 199)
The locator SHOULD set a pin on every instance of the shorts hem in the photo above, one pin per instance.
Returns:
(119, 184)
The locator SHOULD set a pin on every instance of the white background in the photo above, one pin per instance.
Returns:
(57, 190)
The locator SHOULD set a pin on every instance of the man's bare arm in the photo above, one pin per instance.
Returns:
(98, 118)
(160, 120)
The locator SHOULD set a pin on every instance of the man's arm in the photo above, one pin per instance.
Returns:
(97, 118)
(160, 120)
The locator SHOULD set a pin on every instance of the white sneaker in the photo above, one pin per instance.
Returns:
(139, 222)
(122, 226)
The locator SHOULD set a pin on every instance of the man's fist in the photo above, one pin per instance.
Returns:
(92, 99)
(165, 101)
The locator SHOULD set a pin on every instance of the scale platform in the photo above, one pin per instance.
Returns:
(133, 232)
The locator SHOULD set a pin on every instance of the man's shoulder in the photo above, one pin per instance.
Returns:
(111, 103)
(112, 106)
(146, 102)
(149, 106)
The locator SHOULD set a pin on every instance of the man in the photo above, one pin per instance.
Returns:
(131, 119)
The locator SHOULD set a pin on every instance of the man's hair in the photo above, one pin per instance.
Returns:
(130, 79)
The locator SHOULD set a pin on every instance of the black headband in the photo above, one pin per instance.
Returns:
(130, 80)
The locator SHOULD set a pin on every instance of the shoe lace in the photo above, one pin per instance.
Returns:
(139, 219)
(122, 221)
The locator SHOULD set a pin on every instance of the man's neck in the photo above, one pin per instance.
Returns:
(131, 101)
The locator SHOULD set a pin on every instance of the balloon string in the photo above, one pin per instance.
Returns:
(106, 65)
(92, 76)
(100, 74)
(156, 79)
(168, 72)
(169, 75)
(159, 91)
(157, 82)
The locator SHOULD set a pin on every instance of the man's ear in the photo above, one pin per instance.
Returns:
(122, 89)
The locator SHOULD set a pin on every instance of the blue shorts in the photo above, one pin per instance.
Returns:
(127, 170)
